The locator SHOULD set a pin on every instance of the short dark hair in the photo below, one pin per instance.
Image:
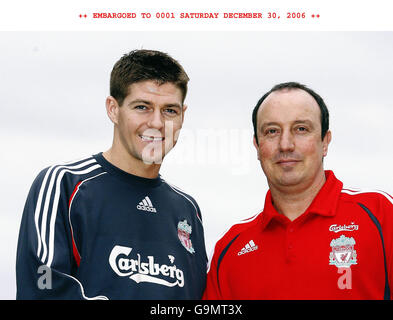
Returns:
(295, 85)
(142, 65)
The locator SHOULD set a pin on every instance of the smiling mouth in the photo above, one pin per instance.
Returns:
(151, 138)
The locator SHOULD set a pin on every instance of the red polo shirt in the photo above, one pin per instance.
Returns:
(341, 247)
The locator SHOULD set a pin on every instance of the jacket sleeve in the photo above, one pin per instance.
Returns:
(45, 265)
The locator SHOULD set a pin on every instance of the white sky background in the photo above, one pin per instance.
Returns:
(54, 85)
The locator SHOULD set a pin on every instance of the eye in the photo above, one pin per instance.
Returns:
(140, 107)
(171, 111)
(271, 131)
(302, 129)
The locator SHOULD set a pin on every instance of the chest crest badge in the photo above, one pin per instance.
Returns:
(343, 253)
(184, 232)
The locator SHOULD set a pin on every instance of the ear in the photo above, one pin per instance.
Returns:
(183, 110)
(256, 146)
(325, 142)
(112, 109)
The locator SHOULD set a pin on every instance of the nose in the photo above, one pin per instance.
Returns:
(156, 120)
(287, 142)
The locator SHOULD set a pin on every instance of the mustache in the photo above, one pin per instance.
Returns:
(283, 156)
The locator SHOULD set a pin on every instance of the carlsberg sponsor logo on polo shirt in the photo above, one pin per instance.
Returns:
(337, 228)
(145, 270)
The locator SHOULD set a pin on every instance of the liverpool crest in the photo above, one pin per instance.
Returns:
(343, 254)
(184, 231)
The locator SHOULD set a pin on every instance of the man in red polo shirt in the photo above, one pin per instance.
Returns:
(314, 239)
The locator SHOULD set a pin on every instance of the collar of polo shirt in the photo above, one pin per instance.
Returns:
(324, 203)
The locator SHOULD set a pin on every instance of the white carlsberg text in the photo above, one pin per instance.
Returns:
(148, 271)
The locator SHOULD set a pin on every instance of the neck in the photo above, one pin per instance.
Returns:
(131, 165)
(293, 203)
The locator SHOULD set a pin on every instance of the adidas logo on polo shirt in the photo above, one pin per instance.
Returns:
(250, 246)
(146, 205)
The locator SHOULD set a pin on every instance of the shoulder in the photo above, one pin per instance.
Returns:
(182, 196)
(241, 226)
(368, 196)
(180, 193)
(67, 174)
(376, 203)
(232, 233)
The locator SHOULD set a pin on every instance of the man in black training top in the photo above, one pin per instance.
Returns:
(108, 226)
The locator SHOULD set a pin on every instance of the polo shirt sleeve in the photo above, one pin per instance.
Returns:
(212, 291)
(387, 230)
